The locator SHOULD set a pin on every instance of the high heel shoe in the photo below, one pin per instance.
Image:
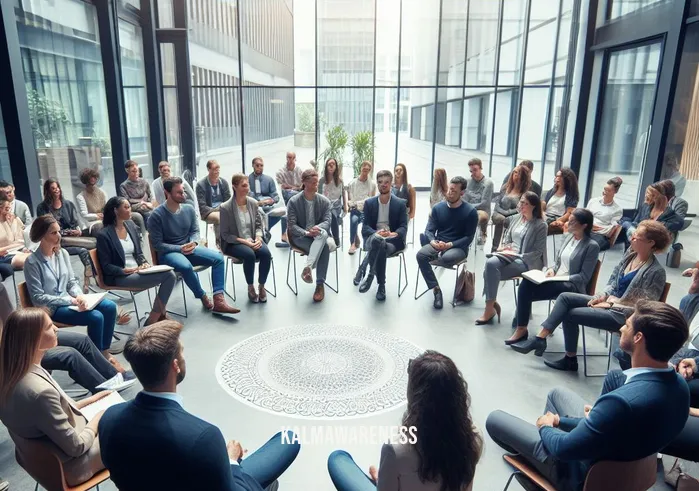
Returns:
(498, 310)
(481, 322)
(523, 337)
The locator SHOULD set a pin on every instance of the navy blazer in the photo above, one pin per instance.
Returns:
(633, 421)
(153, 443)
(111, 253)
(397, 218)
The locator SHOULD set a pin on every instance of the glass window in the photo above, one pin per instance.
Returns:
(482, 43)
(624, 127)
(134, 84)
(65, 87)
(420, 38)
(415, 139)
(5, 170)
(619, 8)
(541, 42)
(531, 127)
(512, 40)
(385, 128)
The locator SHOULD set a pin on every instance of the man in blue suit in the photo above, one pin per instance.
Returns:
(153, 443)
(634, 418)
(384, 229)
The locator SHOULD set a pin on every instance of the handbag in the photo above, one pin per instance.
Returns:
(465, 287)
(677, 479)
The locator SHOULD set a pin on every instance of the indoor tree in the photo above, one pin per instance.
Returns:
(362, 149)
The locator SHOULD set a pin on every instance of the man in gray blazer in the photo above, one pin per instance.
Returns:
(212, 192)
(309, 219)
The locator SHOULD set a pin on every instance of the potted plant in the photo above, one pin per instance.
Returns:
(305, 132)
(337, 141)
(362, 149)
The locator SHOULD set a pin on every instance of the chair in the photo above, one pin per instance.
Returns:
(616, 230)
(132, 291)
(412, 234)
(44, 466)
(453, 267)
(197, 269)
(234, 260)
(402, 268)
(292, 254)
(605, 475)
(25, 300)
(608, 354)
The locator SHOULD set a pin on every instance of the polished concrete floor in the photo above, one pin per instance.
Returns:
(498, 378)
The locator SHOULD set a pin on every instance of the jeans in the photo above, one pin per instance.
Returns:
(165, 282)
(335, 224)
(571, 309)
(497, 270)
(689, 305)
(318, 253)
(529, 292)
(249, 257)
(356, 217)
(99, 321)
(286, 195)
(77, 355)
(6, 267)
(428, 253)
(270, 461)
(202, 256)
(602, 241)
(346, 474)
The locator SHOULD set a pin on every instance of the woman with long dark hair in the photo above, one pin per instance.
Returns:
(332, 187)
(561, 200)
(122, 260)
(72, 237)
(403, 189)
(441, 446)
(517, 184)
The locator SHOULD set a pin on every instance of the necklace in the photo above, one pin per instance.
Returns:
(636, 265)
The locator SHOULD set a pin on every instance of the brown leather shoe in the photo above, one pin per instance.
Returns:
(221, 307)
(319, 294)
(207, 303)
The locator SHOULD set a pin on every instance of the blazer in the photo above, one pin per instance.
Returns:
(204, 195)
(533, 244)
(296, 214)
(648, 284)
(679, 206)
(68, 214)
(634, 421)
(230, 221)
(153, 443)
(582, 262)
(672, 221)
(398, 470)
(268, 189)
(111, 253)
(37, 408)
(22, 212)
(397, 218)
(49, 288)
(568, 200)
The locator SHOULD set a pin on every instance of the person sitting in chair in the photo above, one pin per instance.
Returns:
(450, 230)
(264, 191)
(384, 229)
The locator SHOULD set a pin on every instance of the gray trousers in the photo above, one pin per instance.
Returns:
(318, 253)
(165, 280)
(428, 253)
(571, 310)
(497, 270)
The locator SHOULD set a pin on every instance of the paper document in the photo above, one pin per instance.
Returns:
(91, 410)
(92, 299)
(538, 277)
(155, 269)
(15, 250)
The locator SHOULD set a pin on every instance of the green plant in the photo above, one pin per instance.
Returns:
(362, 149)
(337, 141)
(48, 118)
(307, 117)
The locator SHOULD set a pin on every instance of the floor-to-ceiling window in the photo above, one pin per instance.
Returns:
(5, 170)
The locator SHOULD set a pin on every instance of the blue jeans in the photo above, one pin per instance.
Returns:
(270, 461)
(356, 217)
(202, 256)
(99, 321)
(346, 474)
(689, 306)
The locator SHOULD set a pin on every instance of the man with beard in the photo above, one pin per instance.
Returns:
(152, 442)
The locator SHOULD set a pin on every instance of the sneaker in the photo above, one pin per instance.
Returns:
(331, 244)
(352, 249)
(117, 382)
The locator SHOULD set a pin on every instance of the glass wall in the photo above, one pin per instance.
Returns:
(63, 73)
(5, 170)
(432, 83)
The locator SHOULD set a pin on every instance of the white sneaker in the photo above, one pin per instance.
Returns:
(331, 244)
(117, 383)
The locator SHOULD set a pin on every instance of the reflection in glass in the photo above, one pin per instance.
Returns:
(65, 87)
(624, 128)
(5, 170)
(619, 8)
(420, 37)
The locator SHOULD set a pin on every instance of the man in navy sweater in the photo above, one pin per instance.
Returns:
(152, 442)
(637, 418)
(448, 235)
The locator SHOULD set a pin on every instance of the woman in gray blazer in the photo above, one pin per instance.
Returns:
(523, 248)
(241, 236)
(639, 276)
(576, 259)
(34, 407)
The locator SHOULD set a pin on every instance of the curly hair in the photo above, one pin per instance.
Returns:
(87, 174)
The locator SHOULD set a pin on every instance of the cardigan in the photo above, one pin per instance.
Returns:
(16, 234)
(49, 288)
(582, 262)
(296, 214)
(204, 195)
(533, 244)
(230, 221)
(21, 211)
(110, 251)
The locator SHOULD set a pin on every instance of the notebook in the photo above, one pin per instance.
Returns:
(92, 299)
(538, 277)
(155, 269)
(91, 410)
(15, 250)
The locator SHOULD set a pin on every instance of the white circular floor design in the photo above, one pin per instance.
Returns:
(319, 371)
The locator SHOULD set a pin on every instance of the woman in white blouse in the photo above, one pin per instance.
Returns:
(576, 259)
(12, 250)
(607, 213)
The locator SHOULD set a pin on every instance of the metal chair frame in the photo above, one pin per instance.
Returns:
(234, 260)
(402, 268)
(454, 267)
(295, 289)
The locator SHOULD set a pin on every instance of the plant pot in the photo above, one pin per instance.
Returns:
(304, 139)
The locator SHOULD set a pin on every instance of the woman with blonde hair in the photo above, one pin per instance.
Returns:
(506, 206)
(34, 407)
(439, 186)
(403, 189)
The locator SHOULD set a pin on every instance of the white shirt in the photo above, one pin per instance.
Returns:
(606, 216)
(310, 213)
(129, 250)
(566, 254)
(517, 234)
(632, 372)
(258, 186)
(245, 225)
(382, 219)
(556, 206)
